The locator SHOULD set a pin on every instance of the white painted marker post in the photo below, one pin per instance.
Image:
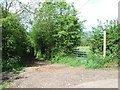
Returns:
(104, 44)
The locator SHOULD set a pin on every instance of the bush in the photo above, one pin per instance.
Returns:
(14, 40)
(111, 28)
(112, 48)
(55, 30)
(97, 61)
(12, 64)
(93, 61)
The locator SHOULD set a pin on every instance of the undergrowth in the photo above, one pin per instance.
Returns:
(4, 85)
(14, 65)
(92, 61)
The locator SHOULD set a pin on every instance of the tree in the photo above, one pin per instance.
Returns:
(56, 28)
(14, 38)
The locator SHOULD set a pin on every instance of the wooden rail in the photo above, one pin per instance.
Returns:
(79, 53)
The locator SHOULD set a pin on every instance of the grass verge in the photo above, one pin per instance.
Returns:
(91, 62)
(5, 84)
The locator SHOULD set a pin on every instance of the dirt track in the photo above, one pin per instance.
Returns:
(61, 76)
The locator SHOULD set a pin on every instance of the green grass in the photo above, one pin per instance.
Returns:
(69, 60)
(93, 61)
(5, 85)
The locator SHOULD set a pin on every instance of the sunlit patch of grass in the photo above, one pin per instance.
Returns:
(70, 60)
(92, 61)
(5, 84)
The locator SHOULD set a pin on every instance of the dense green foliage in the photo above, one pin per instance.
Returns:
(112, 37)
(93, 61)
(14, 40)
(56, 29)
(96, 59)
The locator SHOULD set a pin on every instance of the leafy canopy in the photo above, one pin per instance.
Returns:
(56, 28)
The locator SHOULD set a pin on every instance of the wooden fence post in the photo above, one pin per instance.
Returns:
(104, 45)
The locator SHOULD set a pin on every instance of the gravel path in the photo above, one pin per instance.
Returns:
(61, 76)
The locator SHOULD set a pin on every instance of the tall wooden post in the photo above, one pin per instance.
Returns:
(104, 44)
